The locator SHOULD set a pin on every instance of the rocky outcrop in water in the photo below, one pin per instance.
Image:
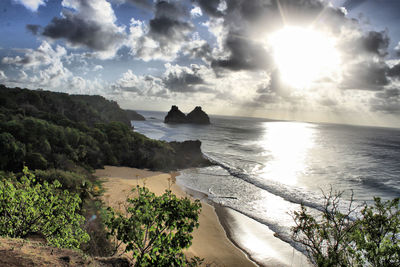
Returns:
(175, 116)
(198, 116)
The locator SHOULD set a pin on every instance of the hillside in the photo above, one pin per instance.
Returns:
(61, 139)
(56, 130)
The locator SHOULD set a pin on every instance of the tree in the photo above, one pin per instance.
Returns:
(325, 237)
(347, 237)
(377, 235)
(155, 229)
(28, 207)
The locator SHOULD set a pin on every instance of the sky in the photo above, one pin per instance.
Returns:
(309, 60)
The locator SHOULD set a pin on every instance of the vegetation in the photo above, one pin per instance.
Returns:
(62, 138)
(47, 130)
(346, 238)
(28, 207)
(155, 229)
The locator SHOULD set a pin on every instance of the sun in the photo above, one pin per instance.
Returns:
(304, 55)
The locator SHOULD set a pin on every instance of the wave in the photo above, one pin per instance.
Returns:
(289, 193)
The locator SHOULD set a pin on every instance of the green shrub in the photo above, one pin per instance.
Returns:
(155, 229)
(28, 207)
(72, 181)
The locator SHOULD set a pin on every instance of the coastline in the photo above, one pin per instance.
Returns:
(210, 240)
(258, 241)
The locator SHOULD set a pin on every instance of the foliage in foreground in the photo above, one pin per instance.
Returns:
(28, 207)
(345, 238)
(155, 229)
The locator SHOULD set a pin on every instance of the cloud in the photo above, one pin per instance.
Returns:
(33, 28)
(44, 55)
(3, 76)
(387, 101)
(165, 34)
(196, 12)
(88, 23)
(243, 55)
(242, 28)
(197, 48)
(351, 4)
(376, 42)
(144, 85)
(183, 79)
(98, 67)
(397, 49)
(147, 4)
(169, 24)
(366, 75)
(44, 68)
(32, 5)
(211, 7)
(46, 65)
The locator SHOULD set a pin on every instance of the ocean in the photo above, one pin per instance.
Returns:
(265, 168)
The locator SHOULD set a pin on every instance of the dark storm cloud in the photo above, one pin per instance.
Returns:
(33, 28)
(169, 29)
(168, 20)
(388, 93)
(244, 55)
(78, 31)
(183, 82)
(376, 42)
(394, 71)
(387, 101)
(211, 7)
(165, 26)
(366, 76)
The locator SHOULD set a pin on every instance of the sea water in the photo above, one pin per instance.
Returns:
(265, 169)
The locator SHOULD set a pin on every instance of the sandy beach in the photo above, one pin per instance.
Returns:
(209, 240)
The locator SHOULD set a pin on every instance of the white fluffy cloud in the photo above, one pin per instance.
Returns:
(142, 85)
(196, 12)
(45, 68)
(32, 5)
(3, 77)
(44, 55)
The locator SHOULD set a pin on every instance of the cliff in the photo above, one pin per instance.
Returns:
(133, 115)
(189, 153)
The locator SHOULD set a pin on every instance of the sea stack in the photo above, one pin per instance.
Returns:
(198, 116)
(175, 116)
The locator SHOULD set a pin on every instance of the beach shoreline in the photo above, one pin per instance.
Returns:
(210, 240)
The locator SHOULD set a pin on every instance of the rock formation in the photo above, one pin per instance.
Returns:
(198, 116)
(175, 116)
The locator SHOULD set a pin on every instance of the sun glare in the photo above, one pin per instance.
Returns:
(303, 55)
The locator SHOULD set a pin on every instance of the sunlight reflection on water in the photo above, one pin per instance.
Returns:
(288, 145)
